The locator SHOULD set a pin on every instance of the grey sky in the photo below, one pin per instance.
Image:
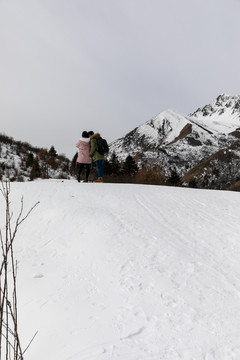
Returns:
(110, 65)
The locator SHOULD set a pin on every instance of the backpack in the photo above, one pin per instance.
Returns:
(102, 146)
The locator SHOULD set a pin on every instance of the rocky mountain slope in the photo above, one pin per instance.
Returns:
(202, 147)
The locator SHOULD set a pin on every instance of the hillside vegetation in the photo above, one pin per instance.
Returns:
(20, 161)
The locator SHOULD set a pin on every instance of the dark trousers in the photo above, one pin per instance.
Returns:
(80, 168)
(99, 165)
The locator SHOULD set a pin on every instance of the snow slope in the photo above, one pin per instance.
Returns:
(128, 272)
(221, 116)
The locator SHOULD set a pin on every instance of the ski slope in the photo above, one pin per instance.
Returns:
(128, 272)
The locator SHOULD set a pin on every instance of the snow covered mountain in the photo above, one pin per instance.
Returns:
(224, 112)
(183, 142)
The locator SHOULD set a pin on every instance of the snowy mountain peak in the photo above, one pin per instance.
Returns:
(173, 141)
(222, 105)
(163, 128)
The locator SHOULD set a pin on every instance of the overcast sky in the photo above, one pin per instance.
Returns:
(111, 65)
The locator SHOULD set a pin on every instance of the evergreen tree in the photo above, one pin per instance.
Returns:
(174, 178)
(53, 152)
(45, 157)
(36, 171)
(107, 168)
(115, 164)
(192, 183)
(73, 166)
(29, 160)
(129, 166)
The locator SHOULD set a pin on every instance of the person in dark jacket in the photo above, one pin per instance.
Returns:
(96, 156)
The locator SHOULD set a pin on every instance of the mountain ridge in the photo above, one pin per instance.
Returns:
(177, 142)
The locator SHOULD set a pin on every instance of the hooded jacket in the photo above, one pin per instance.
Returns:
(93, 147)
(83, 146)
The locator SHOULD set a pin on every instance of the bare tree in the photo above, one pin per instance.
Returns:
(10, 345)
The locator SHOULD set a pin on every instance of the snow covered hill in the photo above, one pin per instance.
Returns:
(20, 161)
(128, 272)
(180, 142)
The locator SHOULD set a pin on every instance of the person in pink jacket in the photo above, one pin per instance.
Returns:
(83, 159)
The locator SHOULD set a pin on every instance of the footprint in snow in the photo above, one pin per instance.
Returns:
(38, 276)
